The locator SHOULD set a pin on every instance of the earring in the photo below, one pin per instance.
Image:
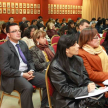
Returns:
(37, 43)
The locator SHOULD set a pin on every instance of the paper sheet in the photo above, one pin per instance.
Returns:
(94, 93)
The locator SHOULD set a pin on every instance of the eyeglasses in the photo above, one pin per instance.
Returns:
(15, 31)
(96, 37)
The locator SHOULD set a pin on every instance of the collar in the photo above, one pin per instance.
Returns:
(14, 44)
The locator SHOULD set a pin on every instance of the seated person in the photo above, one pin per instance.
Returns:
(69, 76)
(99, 26)
(41, 53)
(105, 43)
(23, 21)
(57, 24)
(94, 56)
(51, 30)
(71, 27)
(23, 27)
(28, 36)
(3, 34)
(17, 68)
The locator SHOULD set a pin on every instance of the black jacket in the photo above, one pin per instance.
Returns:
(68, 85)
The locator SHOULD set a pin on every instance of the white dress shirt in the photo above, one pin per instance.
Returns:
(22, 65)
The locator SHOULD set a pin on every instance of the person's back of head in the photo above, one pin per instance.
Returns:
(23, 27)
(99, 23)
(63, 30)
(93, 19)
(69, 23)
(26, 33)
(40, 17)
(3, 27)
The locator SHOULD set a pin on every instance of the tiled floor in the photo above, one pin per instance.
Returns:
(9, 102)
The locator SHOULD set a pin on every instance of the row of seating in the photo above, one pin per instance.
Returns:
(54, 41)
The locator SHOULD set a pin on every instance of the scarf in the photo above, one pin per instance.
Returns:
(47, 51)
(100, 52)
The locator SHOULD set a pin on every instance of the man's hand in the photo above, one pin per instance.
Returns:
(30, 73)
(27, 76)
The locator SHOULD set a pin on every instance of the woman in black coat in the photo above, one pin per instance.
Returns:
(69, 77)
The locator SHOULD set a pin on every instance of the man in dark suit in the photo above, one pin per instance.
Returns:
(23, 21)
(82, 25)
(17, 68)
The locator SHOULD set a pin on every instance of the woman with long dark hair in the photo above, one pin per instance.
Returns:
(71, 27)
(69, 77)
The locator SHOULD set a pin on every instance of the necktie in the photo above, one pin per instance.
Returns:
(21, 54)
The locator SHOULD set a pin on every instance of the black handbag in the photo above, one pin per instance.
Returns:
(93, 102)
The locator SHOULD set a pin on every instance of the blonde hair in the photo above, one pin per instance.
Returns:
(50, 25)
(37, 34)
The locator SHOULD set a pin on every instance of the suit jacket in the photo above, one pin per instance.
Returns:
(68, 85)
(20, 23)
(39, 58)
(93, 66)
(9, 64)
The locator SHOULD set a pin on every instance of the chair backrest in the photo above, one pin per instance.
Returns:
(1, 43)
(54, 46)
(50, 88)
(47, 42)
(98, 35)
(104, 34)
(55, 39)
(101, 41)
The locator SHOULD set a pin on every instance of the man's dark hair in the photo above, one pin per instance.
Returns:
(83, 21)
(9, 25)
(40, 17)
(10, 18)
(93, 19)
(27, 21)
(33, 21)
